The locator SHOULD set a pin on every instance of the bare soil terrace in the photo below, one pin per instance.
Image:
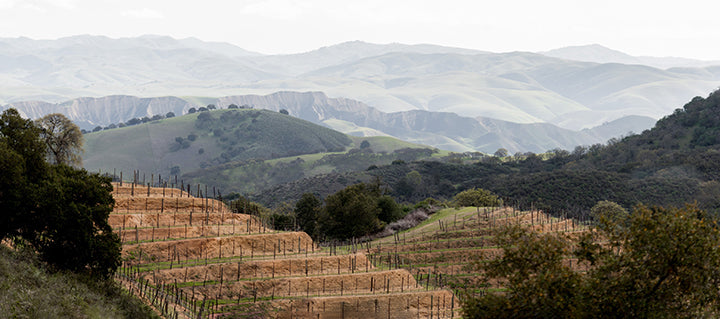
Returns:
(193, 258)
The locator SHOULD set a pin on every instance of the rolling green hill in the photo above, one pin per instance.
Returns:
(205, 139)
(239, 150)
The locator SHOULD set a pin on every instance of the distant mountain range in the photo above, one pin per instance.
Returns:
(556, 87)
(600, 54)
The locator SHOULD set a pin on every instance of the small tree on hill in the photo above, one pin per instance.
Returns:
(476, 197)
(501, 152)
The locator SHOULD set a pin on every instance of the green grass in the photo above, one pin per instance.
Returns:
(385, 143)
(243, 134)
(29, 290)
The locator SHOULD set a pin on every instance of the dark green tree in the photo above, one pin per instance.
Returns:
(307, 211)
(390, 211)
(351, 212)
(539, 284)
(653, 263)
(23, 167)
(60, 211)
(76, 234)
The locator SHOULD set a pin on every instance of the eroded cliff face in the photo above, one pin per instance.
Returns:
(311, 106)
(88, 112)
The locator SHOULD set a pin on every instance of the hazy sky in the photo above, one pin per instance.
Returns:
(688, 28)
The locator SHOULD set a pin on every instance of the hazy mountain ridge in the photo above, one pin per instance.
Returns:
(90, 112)
(517, 86)
(600, 54)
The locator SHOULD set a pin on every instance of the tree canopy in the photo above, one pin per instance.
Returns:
(63, 139)
(358, 210)
(476, 197)
(60, 211)
(307, 211)
(653, 263)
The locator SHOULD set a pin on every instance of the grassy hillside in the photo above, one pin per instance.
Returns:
(205, 139)
(29, 290)
(254, 176)
(240, 150)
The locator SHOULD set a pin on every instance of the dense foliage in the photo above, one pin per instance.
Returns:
(676, 162)
(476, 197)
(358, 210)
(307, 211)
(653, 263)
(60, 211)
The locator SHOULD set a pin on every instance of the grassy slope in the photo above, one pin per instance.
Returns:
(255, 176)
(143, 147)
(148, 147)
(28, 290)
(266, 148)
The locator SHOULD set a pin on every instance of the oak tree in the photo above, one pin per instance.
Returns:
(63, 139)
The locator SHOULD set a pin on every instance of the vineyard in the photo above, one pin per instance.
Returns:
(441, 251)
(190, 257)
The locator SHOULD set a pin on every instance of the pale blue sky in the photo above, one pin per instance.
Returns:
(659, 28)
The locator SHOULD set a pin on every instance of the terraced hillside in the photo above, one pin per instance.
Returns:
(191, 257)
(440, 251)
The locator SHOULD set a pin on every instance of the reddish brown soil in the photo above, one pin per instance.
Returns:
(377, 282)
(313, 265)
(219, 247)
(398, 305)
(244, 259)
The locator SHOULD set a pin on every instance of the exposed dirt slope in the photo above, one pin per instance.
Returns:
(192, 257)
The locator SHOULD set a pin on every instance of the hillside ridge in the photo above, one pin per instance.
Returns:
(443, 130)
